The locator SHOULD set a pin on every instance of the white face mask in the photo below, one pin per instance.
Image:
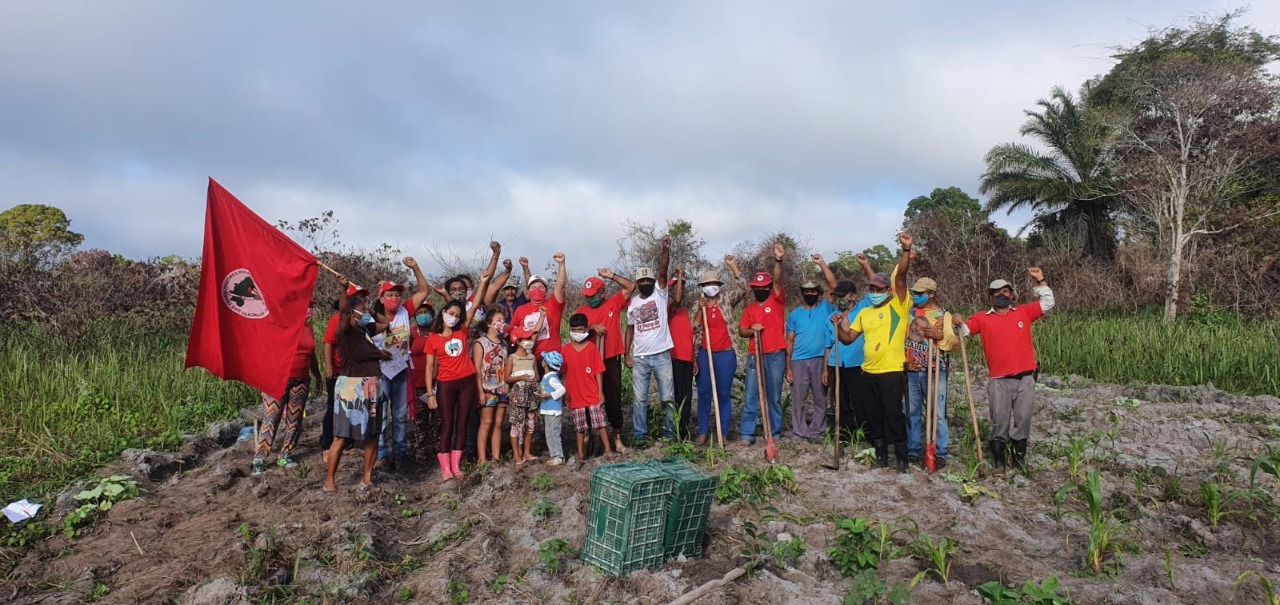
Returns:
(527, 345)
(711, 291)
(578, 336)
(449, 320)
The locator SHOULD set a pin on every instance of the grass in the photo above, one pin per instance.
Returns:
(69, 411)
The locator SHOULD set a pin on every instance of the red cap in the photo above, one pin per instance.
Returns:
(762, 280)
(353, 290)
(389, 285)
(592, 286)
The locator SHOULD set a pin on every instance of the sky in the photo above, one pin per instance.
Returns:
(544, 125)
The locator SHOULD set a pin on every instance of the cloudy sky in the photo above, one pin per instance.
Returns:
(542, 124)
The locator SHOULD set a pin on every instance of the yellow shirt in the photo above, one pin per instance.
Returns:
(884, 335)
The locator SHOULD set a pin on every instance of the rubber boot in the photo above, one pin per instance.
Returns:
(455, 458)
(1020, 455)
(446, 470)
(997, 456)
(882, 453)
(900, 452)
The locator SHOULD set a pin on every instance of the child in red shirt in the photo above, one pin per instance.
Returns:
(582, 372)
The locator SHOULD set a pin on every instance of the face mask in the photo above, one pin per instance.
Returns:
(458, 295)
(578, 336)
(646, 290)
(391, 304)
(1001, 301)
(595, 301)
(711, 291)
(423, 320)
(878, 297)
(810, 299)
(843, 304)
(450, 320)
(500, 326)
(920, 299)
(761, 294)
(527, 345)
(364, 320)
(538, 295)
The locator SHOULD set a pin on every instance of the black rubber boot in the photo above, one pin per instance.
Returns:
(882, 454)
(900, 452)
(997, 456)
(1020, 455)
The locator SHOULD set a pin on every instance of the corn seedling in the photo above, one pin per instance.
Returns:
(1267, 590)
(1269, 463)
(938, 554)
(1168, 569)
(1105, 527)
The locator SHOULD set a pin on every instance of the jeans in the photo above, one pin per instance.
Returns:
(775, 368)
(643, 367)
(551, 430)
(917, 390)
(396, 423)
(721, 366)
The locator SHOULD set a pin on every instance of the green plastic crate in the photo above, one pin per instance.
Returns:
(692, 494)
(627, 517)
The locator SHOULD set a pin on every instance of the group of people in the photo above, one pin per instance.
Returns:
(396, 367)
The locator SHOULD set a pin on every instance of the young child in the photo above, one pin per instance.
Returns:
(522, 398)
(583, 369)
(552, 393)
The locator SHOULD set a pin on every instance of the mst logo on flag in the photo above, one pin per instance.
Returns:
(255, 287)
(242, 296)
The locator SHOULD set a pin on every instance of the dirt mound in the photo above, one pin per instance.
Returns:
(205, 531)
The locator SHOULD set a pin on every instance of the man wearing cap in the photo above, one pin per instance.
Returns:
(394, 342)
(808, 348)
(525, 318)
(931, 327)
(884, 326)
(847, 359)
(714, 370)
(604, 323)
(764, 323)
(1011, 363)
(510, 298)
(649, 344)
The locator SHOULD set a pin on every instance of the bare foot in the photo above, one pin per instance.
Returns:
(329, 487)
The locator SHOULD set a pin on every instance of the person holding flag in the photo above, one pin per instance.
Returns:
(357, 399)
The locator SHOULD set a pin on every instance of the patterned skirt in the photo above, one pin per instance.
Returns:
(355, 408)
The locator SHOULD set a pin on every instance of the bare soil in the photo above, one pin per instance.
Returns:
(205, 531)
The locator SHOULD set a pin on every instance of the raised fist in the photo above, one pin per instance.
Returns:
(905, 239)
(778, 250)
(496, 247)
(524, 262)
(1036, 273)
(605, 272)
(558, 257)
(409, 262)
(817, 259)
(506, 264)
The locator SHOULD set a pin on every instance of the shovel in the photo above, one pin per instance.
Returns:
(770, 449)
(931, 412)
(835, 465)
(711, 367)
(973, 412)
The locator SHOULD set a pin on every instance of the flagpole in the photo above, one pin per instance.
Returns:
(335, 272)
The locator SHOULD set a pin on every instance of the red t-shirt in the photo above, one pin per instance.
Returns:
(718, 331)
(453, 358)
(579, 374)
(302, 358)
(418, 350)
(681, 334)
(526, 316)
(608, 313)
(772, 315)
(1006, 339)
(331, 338)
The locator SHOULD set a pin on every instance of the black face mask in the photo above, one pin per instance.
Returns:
(1001, 301)
(762, 294)
(810, 299)
(646, 290)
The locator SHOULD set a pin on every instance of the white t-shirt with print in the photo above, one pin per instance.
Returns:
(395, 340)
(649, 317)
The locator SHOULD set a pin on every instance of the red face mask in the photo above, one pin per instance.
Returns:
(391, 304)
(538, 295)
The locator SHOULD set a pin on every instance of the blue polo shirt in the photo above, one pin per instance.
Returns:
(811, 328)
(850, 354)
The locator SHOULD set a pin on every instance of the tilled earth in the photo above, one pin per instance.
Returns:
(205, 531)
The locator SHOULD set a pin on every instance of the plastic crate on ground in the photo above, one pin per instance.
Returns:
(627, 517)
(692, 493)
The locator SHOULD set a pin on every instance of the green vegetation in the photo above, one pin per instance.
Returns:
(754, 484)
(98, 497)
(552, 552)
(1047, 592)
(1106, 528)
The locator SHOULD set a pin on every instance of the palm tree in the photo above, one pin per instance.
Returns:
(1067, 184)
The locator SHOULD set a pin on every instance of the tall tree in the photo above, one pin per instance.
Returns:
(36, 235)
(1066, 184)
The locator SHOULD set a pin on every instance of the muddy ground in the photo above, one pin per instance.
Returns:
(205, 531)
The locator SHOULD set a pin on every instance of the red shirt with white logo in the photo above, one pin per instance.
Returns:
(608, 313)
(579, 374)
(772, 315)
(681, 334)
(452, 360)
(717, 329)
(1006, 339)
(526, 316)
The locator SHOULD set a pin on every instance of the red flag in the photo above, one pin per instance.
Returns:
(255, 286)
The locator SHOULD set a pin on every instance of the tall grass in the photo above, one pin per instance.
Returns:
(71, 408)
(1236, 355)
